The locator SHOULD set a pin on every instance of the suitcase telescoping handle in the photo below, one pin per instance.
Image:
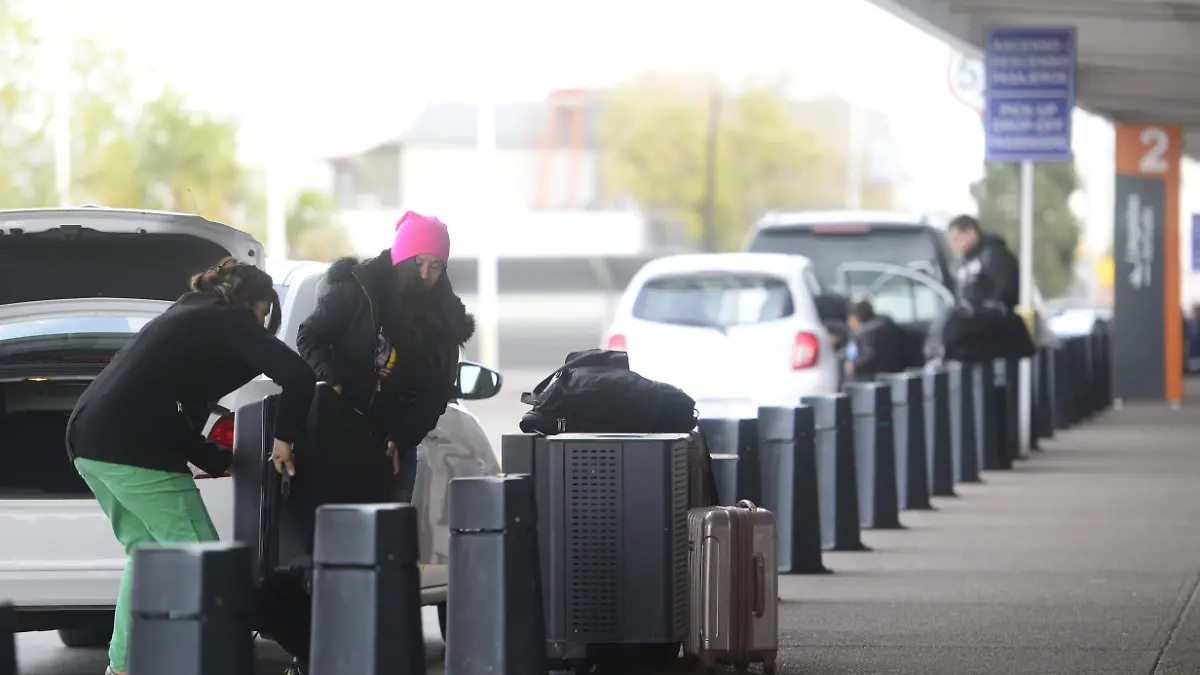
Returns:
(760, 586)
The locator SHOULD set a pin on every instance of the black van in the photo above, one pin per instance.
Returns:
(904, 265)
(834, 238)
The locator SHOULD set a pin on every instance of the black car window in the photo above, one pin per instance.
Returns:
(714, 299)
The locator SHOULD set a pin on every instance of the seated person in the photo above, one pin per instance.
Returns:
(878, 341)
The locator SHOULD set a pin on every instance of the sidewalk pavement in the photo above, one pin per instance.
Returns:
(1083, 559)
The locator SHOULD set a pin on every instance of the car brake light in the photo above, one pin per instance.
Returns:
(616, 343)
(221, 434)
(805, 351)
(842, 228)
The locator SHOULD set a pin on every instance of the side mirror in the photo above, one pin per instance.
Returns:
(476, 382)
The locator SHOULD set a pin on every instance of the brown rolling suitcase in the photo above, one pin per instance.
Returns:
(734, 587)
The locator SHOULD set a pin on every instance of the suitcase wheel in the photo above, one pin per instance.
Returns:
(769, 669)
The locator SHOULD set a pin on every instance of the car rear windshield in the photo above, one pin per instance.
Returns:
(718, 299)
(829, 247)
(65, 339)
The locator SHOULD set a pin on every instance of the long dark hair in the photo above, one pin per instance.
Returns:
(421, 320)
(239, 283)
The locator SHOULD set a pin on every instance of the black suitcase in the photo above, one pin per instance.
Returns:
(337, 461)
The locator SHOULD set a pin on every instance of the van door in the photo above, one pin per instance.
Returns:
(910, 298)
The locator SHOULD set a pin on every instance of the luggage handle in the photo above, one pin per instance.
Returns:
(581, 359)
(760, 586)
(747, 504)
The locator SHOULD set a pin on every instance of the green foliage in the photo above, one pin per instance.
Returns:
(311, 232)
(24, 123)
(1055, 228)
(654, 133)
(161, 155)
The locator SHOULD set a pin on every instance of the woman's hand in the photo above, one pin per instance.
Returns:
(391, 452)
(281, 456)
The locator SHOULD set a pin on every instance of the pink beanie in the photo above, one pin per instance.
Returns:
(420, 235)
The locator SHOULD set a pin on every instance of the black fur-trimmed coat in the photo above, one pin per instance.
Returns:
(339, 341)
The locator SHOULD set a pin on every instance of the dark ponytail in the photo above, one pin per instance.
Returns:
(238, 283)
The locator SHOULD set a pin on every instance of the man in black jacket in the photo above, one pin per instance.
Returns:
(879, 341)
(990, 272)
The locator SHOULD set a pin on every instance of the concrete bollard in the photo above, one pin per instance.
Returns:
(1007, 412)
(1100, 360)
(790, 487)
(1081, 392)
(987, 435)
(496, 621)
(737, 437)
(874, 455)
(1087, 393)
(366, 591)
(908, 427)
(837, 477)
(8, 640)
(192, 611)
(964, 442)
(1044, 395)
(935, 384)
(1104, 383)
(1062, 388)
(725, 475)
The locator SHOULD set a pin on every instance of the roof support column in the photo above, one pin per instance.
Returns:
(1147, 315)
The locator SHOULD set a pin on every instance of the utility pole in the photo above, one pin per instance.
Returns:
(708, 214)
(487, 313)
(854, 157)
(63, 41)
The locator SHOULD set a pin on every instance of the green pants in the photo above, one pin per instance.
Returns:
(145, 507)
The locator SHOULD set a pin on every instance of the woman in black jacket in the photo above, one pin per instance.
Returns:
(387, 334)
(131, 436)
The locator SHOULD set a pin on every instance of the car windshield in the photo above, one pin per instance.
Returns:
(65, 338)
(912, 247)
(714, 299)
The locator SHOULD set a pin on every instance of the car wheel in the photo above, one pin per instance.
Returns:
(85, 638)
(442, 611)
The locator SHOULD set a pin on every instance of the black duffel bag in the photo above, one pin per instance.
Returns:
(984, 333)
(596, 392)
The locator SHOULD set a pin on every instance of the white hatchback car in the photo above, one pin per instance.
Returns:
(75, 284)
(733, 330)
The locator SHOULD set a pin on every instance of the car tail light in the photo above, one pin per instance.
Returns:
(221, 434)
(805, 351)
(617, 343)
(841, 228)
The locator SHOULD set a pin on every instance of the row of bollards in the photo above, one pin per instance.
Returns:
(894, 444)
(193, 608)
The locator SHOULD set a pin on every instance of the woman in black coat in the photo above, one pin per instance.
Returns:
(387, 333)
(131, 436)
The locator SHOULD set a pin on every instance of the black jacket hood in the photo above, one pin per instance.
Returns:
(374, 275)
